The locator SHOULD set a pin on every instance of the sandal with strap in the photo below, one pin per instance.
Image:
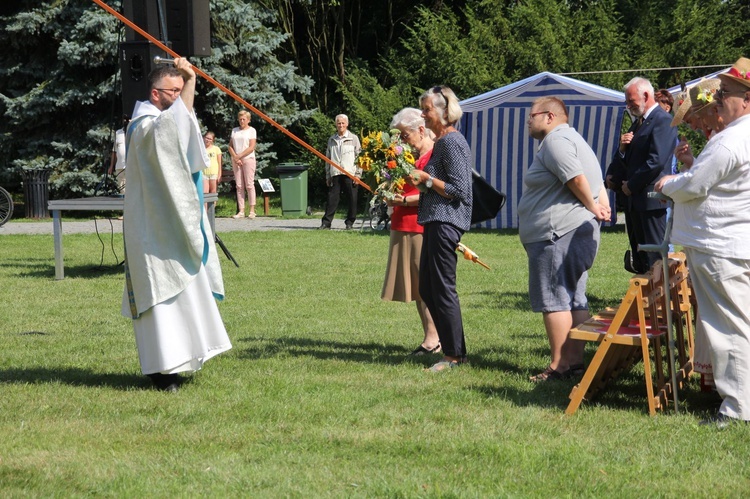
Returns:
(548, 374)
(421, 350)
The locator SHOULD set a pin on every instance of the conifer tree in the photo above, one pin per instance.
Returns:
(60, 91)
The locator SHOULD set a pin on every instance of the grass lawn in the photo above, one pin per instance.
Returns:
(317, 397)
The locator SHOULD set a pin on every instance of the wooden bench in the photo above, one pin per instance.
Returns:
(227, 176)
(636, 331)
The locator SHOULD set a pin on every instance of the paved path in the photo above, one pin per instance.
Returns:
(222, 225)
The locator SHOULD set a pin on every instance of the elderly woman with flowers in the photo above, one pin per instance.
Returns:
(402, 272)
(445, 213)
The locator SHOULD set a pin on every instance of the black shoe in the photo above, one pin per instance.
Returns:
(628, 262)
(420, 350)
(720, 421)
(166, 382)
(349, 226)
(324, 227)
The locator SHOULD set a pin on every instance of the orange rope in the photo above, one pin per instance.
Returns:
(234, 96)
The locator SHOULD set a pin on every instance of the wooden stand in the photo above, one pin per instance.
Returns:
(267, 188)
(625, 334)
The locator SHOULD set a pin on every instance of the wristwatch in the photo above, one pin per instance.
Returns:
(428, 183)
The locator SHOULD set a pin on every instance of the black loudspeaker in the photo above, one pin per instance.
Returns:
(189, 27)
(145, 15)
(136, 62)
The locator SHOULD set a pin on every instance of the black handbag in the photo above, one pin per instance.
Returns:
(487, 199)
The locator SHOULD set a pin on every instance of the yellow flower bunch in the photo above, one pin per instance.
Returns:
(385, 162)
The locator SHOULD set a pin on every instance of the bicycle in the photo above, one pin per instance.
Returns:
(6, 206)
(379, 217)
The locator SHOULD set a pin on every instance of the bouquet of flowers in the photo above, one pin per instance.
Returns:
(385, 162)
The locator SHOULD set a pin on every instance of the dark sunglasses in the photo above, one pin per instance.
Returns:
(722, 92)
(439, 90)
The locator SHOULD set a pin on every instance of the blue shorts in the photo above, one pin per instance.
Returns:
(558, 269)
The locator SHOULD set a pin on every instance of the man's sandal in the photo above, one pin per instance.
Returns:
(444, 365)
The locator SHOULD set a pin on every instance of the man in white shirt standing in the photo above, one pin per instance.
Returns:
(712, 223)
(343, 148)
(172, 271)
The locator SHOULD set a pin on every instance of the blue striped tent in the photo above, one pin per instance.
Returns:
(494, 124)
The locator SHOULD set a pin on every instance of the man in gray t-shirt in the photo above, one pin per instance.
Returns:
(559, 213)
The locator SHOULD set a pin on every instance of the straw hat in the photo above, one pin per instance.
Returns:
(739, 72)
(702, 94)
(683, 105)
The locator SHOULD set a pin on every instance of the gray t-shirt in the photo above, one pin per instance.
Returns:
(547, 208)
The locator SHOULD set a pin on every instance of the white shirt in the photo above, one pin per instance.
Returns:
(712, 199)
(241, 140)
(649, 110)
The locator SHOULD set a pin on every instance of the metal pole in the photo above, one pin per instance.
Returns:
(663, 250)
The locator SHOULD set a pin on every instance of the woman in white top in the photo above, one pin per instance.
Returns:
(242, 151)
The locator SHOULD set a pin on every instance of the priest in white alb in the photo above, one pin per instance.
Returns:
(172, 271)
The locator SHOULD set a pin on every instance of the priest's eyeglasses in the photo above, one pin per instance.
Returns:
(173, 91)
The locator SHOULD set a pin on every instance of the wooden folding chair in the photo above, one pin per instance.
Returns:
(625, 335)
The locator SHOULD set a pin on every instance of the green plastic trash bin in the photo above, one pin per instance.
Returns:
(293, 183)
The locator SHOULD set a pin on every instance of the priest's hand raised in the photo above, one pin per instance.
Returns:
(188, 90)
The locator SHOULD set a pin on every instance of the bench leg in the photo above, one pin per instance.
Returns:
(57, 234)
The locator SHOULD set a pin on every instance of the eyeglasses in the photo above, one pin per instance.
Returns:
(532, 115)
(208, 138)
(721, 93)
(439, 90)
(173, 91)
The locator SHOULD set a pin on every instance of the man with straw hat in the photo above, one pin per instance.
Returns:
(703, 108)
(700, 113)
(712, 223)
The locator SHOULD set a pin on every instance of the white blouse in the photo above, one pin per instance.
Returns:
(712, 199)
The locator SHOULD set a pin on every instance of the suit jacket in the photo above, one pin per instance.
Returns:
(647, 159)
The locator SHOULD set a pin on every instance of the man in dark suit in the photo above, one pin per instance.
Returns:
(644, 156)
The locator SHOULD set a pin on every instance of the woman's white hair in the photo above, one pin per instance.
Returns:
(410, 118)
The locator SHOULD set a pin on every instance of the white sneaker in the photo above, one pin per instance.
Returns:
(251, 215)
(238, 215)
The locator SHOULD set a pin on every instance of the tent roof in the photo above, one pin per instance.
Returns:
(522, 93)
(678, 88)
(495, 126)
